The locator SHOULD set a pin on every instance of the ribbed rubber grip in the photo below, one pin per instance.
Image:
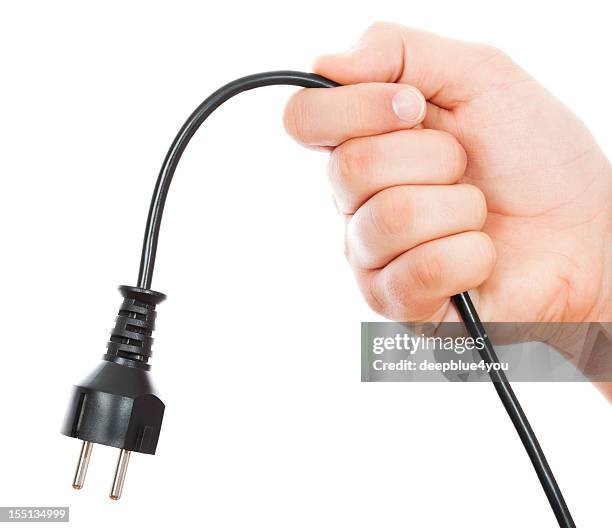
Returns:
(131, 339)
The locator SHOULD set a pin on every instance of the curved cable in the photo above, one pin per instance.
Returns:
(199, 115)
(462, 301)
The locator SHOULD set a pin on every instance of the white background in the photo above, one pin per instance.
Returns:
(257, 349)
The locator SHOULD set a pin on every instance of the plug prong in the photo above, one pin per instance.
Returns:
(81, 470)
(122, 465)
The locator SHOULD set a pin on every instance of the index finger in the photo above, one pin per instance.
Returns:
(326, 117)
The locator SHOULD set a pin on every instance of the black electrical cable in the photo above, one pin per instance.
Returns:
(472, 322)
(461, 301)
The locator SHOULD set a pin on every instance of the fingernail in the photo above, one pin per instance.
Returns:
(409, 105)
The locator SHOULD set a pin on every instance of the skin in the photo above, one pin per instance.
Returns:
(491, 185)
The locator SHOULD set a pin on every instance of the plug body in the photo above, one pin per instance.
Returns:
(117, 404)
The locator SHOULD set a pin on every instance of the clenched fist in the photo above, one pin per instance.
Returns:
(455, 170)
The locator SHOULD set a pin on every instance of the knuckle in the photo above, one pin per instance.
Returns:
(359, 112)
(425, 272)
(491, 54)
(349, 161)
(400, 292)
(486, 50)
(373, 297)
(360, 242)
(381, 26)
(395, 289)
(370, 288)
(495, 68)
(390, 214)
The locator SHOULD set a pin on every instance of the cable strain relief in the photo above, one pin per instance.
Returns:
(142, 294)
(131, 338)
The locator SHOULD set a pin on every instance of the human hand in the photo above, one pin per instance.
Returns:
(456, 170)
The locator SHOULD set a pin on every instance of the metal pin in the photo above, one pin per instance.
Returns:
(122, 464)
(81, 470)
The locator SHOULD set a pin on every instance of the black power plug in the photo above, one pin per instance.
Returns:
(116, 405)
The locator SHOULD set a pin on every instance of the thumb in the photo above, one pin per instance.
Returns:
(447, 71)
